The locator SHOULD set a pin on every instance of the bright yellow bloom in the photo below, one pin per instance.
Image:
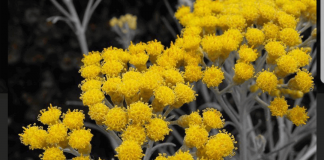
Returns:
(250, 13)
(116, 119)
(135, 133)
(133, 74)
(93, 58)
(34, 136)
(212, 118)
(304, 80)
(139, 60)
(213, 45)
(275, 49)
(209, 22)
(161, 157)
(292, 8)
(192, 73)
(221, 145)
(151, 80)
(164, 95)
(97, 112)
(287, 64)
(247, 54)
(166, 61)
(216, 6)
(286, 20)
(136, 49)
(181, 11)
(267, 12)
(154, 49)
(290, 37)
(112, 68)
(113, 53)
(82, 157)
(266, 81)
(53, 153)
(192, 30)
(196, 136)
(270, 31)
(231, 39)
(50, 116)
(157, 129)
(74, 119)
(297, 115)
(56, 133)
(173, 76)
(254, 36)
(92, 96)
(129, 150)
(129, 88)
(278, 106)
(90, 72)
(213, 76)
(232, 21)
(80, 138)
(191, 42)
(184, 94)
(139, 112)
(89, 84)
(181, 156)
(302, 57)
(193, 119)
(243, 72)
(111, 85)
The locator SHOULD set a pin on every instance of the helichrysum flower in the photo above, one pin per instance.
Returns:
(278, 106)
(270, 31)
(192, 73)
(139, 60)
(116, 119)
(221, 145)
(247, 54)
(74, 119)
(50, 116)
(184, 94)
(56, 133)
(166, 61)
(129, 88)
(243, 72)
(157, 129)
(92, 58)
(81, 157)
(275, 49)
(196, 136)
(129, 150)
(302, 57)
(112, 68)
(173, 76)
(134, 132)
(90, 72)
(164, 95)
(304, 81)
(139, 112)
(89, 84)
(287, 64)
(113, 53)
(297, 115)
(34, 136)
(111, 85)
(151, 80)
(213, 45)
(181, 156)
(290, 37)
(254, 36)
(286, 20)
(266, 81)
(97, 112)
(181, 11)
(191, 42)
(154, 49)
(92, 96)
(133, 74)
(193, 119)
(161, 157)
(267, 12)
(231, 39)
(250, 13)
(80, 138)
(53, 153)
(213, 76)
(212, 118)
(232, 21)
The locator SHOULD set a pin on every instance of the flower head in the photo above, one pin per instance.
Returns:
(192, 119)
(247, 54)
(56, 133)
(92, 58)
(243, 72)
(111, 85)
(278, 106)
(181, 155)
(192, 73)
(173, 76)
(297, 115)
(135, 133)
(50, 116)
(116, 119)
(98, 111)
(92, 96)
(302, 57)
(164, 95)
(129, 150)
(266, 81)
(139, 112)
(74, 119)
(221, 145)
(304, 80)
(287, 64)
(254, 36)
(34, 136)
(90, 72)
(196, 136)
(212, 118)
(290, 37)
(80, 138)
(184, 94)
(112, 68)
(89, 84)
(53, 153)
(157, 129)
(213, 76)
(270, 31)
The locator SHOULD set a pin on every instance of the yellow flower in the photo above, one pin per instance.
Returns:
(221, 145)
(34, 136)
(50, 116)
(304, 80)
(231, 39)
(56, 133)
(166, 61)
(193, 119)
(181, 11)
(157, 129)
(209, 22)
(89, 84)
(275, 49)
(139, 112)
(161, 157)
(184, 94)
(250, 13)
(113, 53)
(302, 57)
(80, 138)
(243, 72)
(192, 73)
(247, 54)
(213, 76)
(129, 88)
(139, 60)
(90, 72)
(292, 8)
(133, 74)
(74, 119)
(196, 136)
(93, 58)
(212, 118)
(266, 81)
(278, 106)
(151, 80)
(173, 76)
(287, 64)
(267, 12)
(181, 156)
(116, 119)
(129, 150)
(135, 133)
(136, 49)
(297, 115)
(112, 68)
(111, 85)
(191, 42)
(213, 45)
(154, 49)
(97, 112)
(290, 37)
(92, 96)
(164, 95)
(254, 36)
(53, 153)
(270, 31)
(232, 21)
(286, 20)
(81, 157)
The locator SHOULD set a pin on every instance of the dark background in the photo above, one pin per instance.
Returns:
(44, 59)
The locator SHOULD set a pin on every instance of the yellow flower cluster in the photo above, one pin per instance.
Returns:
(128, 19)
